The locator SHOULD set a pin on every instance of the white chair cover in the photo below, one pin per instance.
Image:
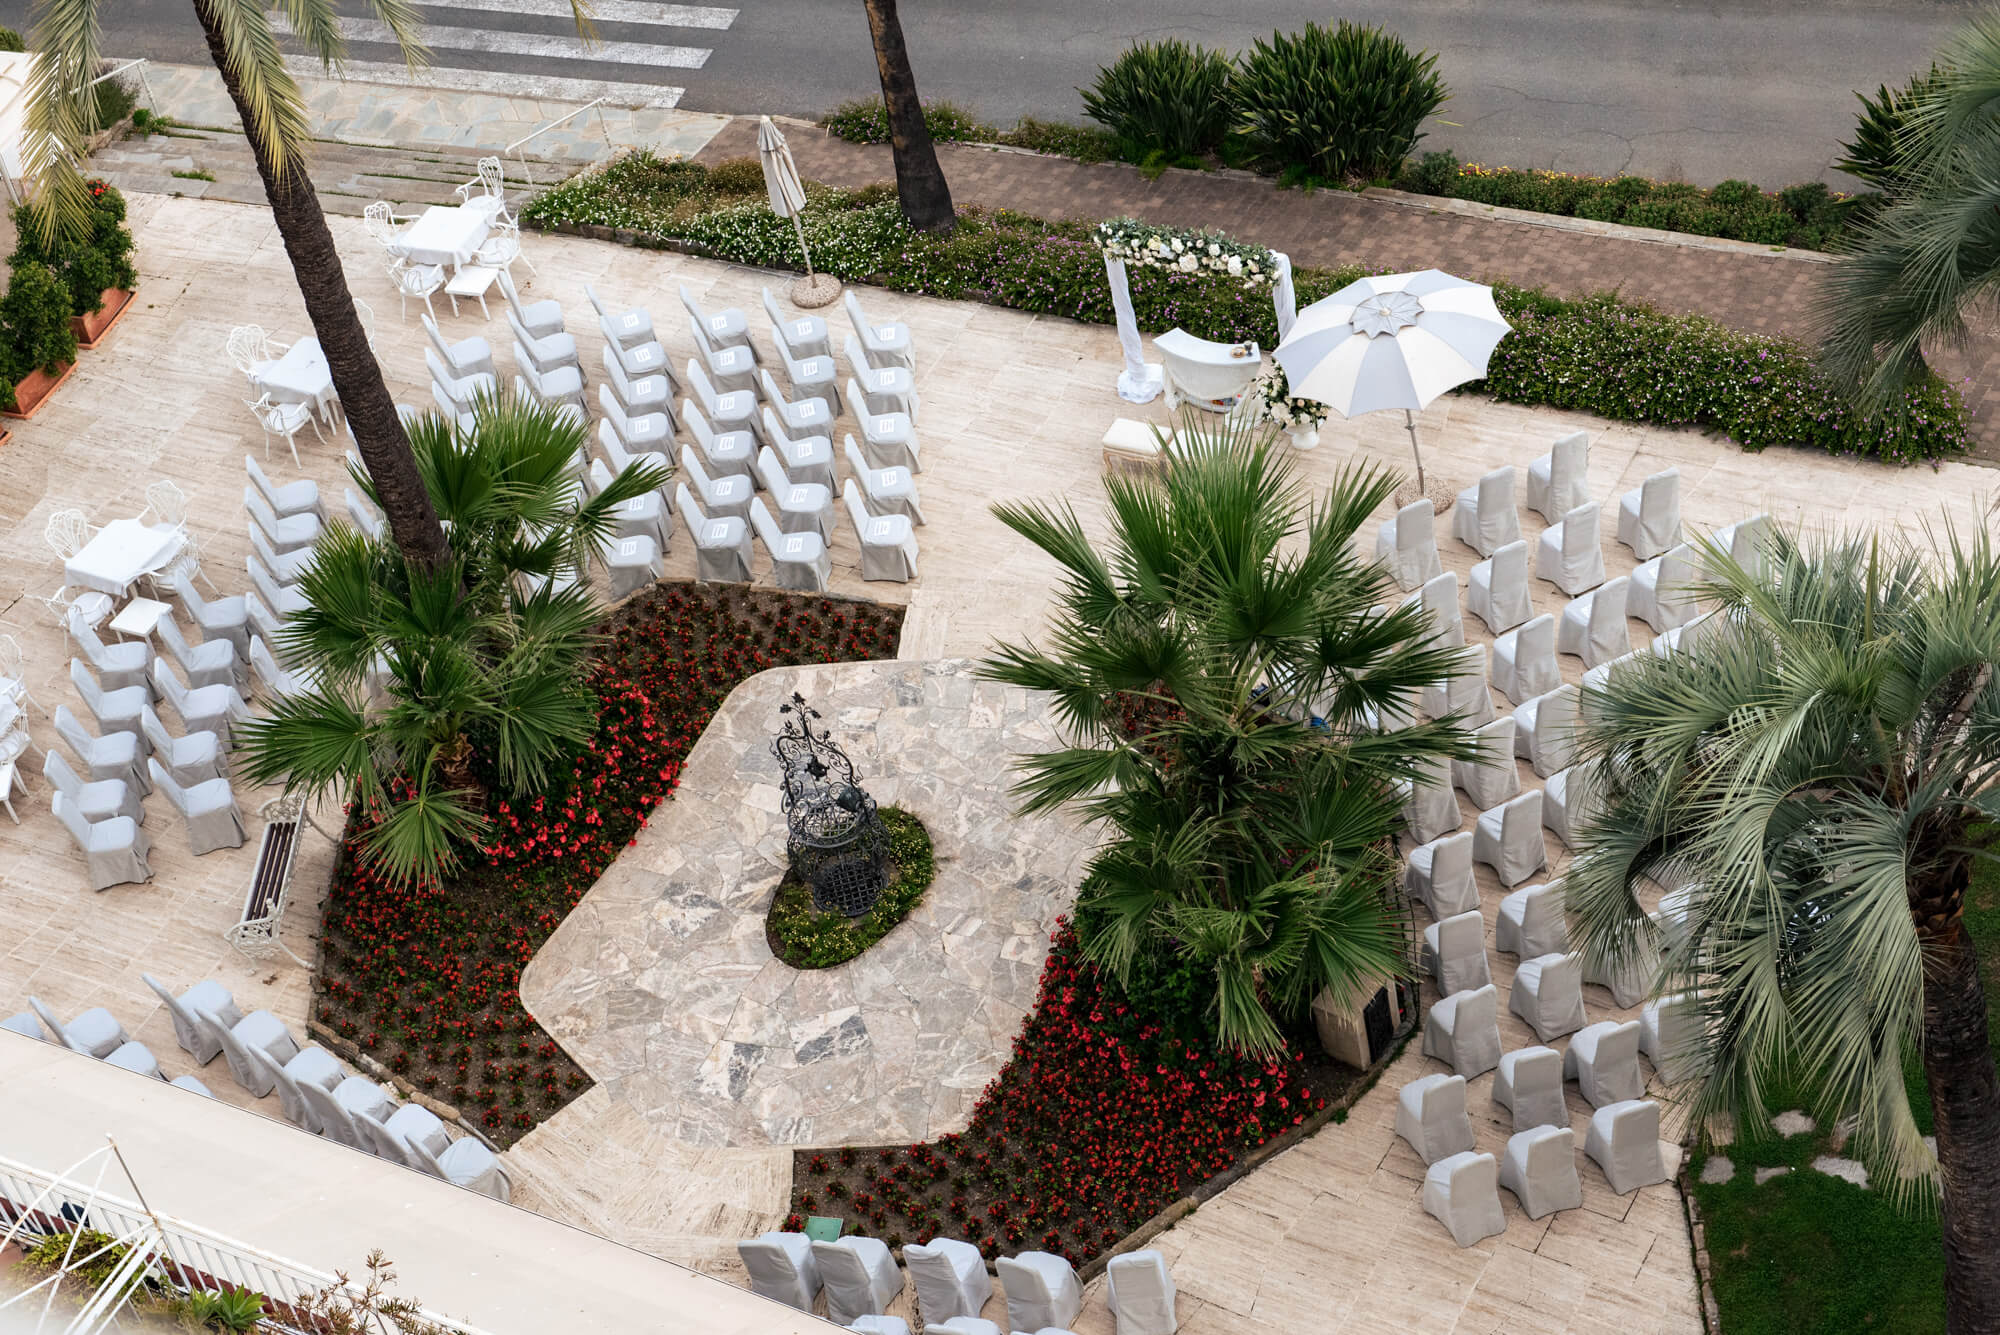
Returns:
(1529, 1084)
(1531, 922)
(1568, 805)
(1508, 839)
(1568, 555)
(1493, 778)
(1463, 1192)
(721, 544)
(1140, 1293)
(950, 1279)
(633, 563)
(114, 850)
(1407, 544)
(207, 995)
(1545, 730)
(1440, 874)
(1630, 977)
(1662, 591)
(1540, 1169)
(95, 1033)
(801, 558)
(209, 809)
(888, 543)
(1498, 590)
(1559, 481)
(1464, 693)
(859, 1275)
(1041, 1288)
(1430, 807)
(1593, 625)
(1670, 1032)
(1524, 660)
(1439, 597)
(1548, 994)
(1463, 1031)
(1484, 517)
(1649, 516)
(1454, 953)
(1745, 541)
(1624, 1139)
(1603, 1059)
(1430, 1114)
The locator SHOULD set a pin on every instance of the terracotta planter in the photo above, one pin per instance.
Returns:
(34, 391)
(91, 329)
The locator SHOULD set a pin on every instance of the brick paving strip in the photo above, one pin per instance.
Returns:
(1756, 291)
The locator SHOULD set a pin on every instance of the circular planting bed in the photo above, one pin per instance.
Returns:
(806, 938)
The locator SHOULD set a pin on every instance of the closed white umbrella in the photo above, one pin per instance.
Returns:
(788, 200)
(1394, 341)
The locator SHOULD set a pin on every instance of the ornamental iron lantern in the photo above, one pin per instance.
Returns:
(835, 838)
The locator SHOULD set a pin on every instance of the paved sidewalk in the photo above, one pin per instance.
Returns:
(1764, 293)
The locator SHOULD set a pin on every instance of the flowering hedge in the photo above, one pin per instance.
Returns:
(1618, 359)
(429, 983)
(1097, 1122)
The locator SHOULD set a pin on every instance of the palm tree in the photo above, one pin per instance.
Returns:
(1217, 665)
(1931, 250)
(483, 684)
(1820, 775)
(62, 116)
(920, 183)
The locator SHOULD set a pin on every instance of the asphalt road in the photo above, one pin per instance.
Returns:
(1761, 89)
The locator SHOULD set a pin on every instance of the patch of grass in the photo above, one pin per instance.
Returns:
(806, 938)
(196, 175)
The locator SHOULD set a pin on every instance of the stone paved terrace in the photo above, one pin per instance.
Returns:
(1013, 407)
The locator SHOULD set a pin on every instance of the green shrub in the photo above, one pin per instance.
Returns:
(1435, 173)
(235, 1310)
(87, 264)
(34, 324)
(115, 101)
(1340, 103)
(1600, 206)
(737, 176)
(1734, 195)
(1163, 97)
(806, 938)
(1877, 154)
(865, 120)
(1769, 227)
(11, 40)
(1085, 143)
(1651, 213)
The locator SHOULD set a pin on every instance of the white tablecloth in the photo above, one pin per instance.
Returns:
(444, 235)
(121, 552)
(300, 376)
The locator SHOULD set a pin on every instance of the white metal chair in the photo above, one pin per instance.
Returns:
(1497, 590)
(801, 558)
(500, 249)
(1559, 481)
(887, 343)
(1662, 591)
(1545, 730)
(1531, 922)
(1439, 873)
(727, 496)
(1593, 624)
(888, 544)
(801, 335)
(1484, 517)
(415, 280)
(1569, 555)
(381, 221)
(13, 673)
(1540, 1169)
(283, 419)
(1649, 516)
(1431, 1116)
(728, 452)
(540, 318)
(467, 356)
(1492, 778)
(1529, 1084)
(1624, 1140)
(1463, 1031)
(721, 543)
(1462, 1192)
(1524, 660)
(887, 489)
(1407, 544)
(726, 328)
(1603, 1059)
(1548, 994)
(888, 439)
(1508, 838)
(1454, 953)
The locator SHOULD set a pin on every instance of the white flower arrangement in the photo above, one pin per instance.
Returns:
(1153, 247)
(1284, 411)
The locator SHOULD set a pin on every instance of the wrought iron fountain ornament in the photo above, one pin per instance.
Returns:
(834, 836)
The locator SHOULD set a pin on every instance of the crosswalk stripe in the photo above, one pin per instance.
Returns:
(603, 11)
(531, 87)
(493, 42)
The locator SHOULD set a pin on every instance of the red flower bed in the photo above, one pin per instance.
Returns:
(427, 981)
(1097, 1122)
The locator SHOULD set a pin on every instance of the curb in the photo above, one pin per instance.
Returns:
(1704, 1269)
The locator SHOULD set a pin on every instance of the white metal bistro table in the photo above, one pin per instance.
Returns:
(442, 235)
(300, 376)
(122, 552)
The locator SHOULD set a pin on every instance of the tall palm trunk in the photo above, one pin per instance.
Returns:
(364, 396)
(920, 183)
(1965, 1102)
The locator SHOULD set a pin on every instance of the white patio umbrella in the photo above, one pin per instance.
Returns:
(788, 200)
(1394, 341)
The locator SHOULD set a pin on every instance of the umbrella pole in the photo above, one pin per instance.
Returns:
(1410, 423)
(799, 225)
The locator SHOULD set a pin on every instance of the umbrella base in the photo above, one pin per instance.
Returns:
(815, 290)
(1443, 494)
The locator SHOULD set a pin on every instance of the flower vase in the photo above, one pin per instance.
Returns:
(1305, 437)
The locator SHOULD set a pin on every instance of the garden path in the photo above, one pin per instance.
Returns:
(1747, 287)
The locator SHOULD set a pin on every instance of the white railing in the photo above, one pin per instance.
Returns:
(152, 103)
(597, 104)
(35, 1203)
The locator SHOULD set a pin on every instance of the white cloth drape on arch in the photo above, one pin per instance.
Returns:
(1141, 381)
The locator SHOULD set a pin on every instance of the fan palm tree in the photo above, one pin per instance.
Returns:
(920, 185)
(483, 687)
(1820, 777)
(62, 116)
(1218, 666)
(1931, 251)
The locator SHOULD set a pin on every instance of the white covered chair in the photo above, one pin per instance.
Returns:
(808, 458)
(730, 453)
(1529, 1084)
(1430, 1114)
(637, 433)
(115, 755)
(95, 1033)
(207, 995)
(466, 1164)
(733, 411)
(1688, 635)
(721, 542)
(312, 1065)
(468, 356)
(732, 368)
(782, 1268)
(540, 318)
(224, 617)
(1531, 922)
(1463, 1031)
(1540, 1169)
(137, 1058)
(290, 498)
(889, 490)
(887, 389)
(260, 1030)
(119, 665)
(1548, 994)
(94, 801)
(1464, 693)
(878, 1323)
(1440, 874)
(726, 328)
(1745, 541)
(1407, 544)
(888, 439)
(558, 386)
(1670, 1031)
(888, 544)
(1568, 802)
(1484, 518)
(1603, 1059)
(1524, 660)
(1139, 1291)
(630, 564)
(1498, 590)
(203, 709)
(618, 456)
(1430, 807)
(1454, 953)
(887, 344)
(643, 515)
(1649, 516)
(628, 327)
(1624, 1139)
(1463, 1193)
(1041, 1288)
(210, 663)
(1493, 777)
(335, 1109)
(728, 495)
(1545, 730)
(1568, 555)
(114, 849)
(801, 558)
(800, 335)
(1439, 598)
(1559, 481)
(950, 1279)
(1662, 591)
(803, 507)
(209, 809)
(26, 1025)
(1629, 977)
(1508, 838)
(547, 352)
(1593, 625)
(859, 1275)
(812, 375)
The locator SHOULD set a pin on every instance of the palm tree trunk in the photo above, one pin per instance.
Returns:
(1965, 1099)
(364, 396)
(920, 183)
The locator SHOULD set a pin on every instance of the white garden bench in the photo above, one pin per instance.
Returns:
(256, 931)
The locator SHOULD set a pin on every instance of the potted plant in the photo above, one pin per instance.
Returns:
(95, 266)
(37, 347)
(1298, 418)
